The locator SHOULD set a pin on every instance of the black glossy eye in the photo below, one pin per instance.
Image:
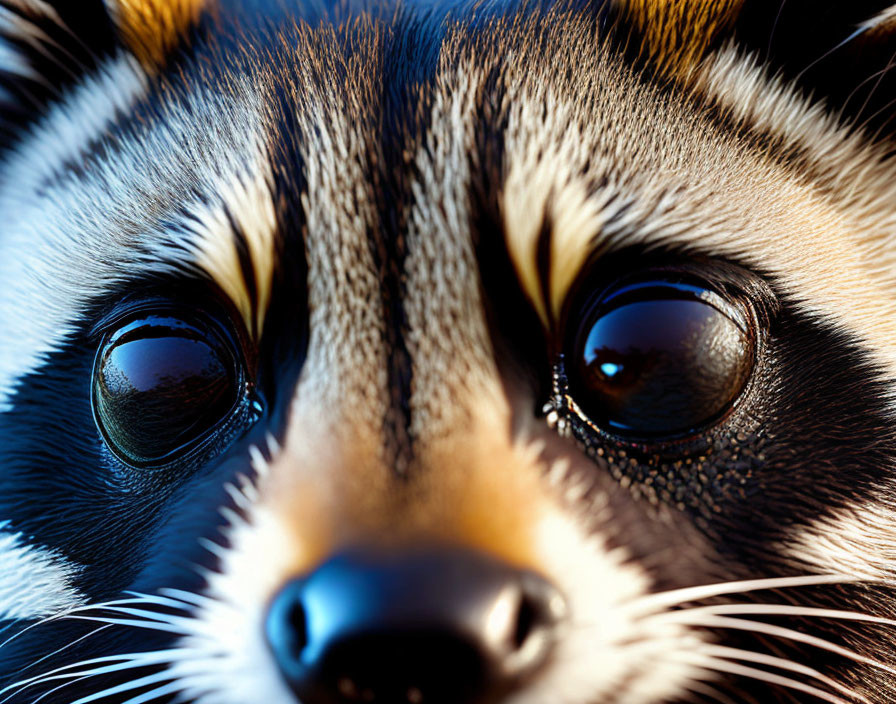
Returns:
(658, 358)
(160, 384)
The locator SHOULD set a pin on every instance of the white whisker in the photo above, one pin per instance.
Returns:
(143, 618)
(64, 648)
(768, 629)
(148, 681)
(163, 599)
(724, 652)
(171, 688)
(661, 600)
(775, 610)
(188, 597)
(132, 661)
(53, 675)
(136, 600)
(148, 625)
(724, 666)
(59, 687)
(151, 616)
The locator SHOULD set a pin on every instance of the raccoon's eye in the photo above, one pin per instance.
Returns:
(160, 384)
(659, 358)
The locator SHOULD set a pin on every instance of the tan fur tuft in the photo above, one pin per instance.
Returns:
(152, 28)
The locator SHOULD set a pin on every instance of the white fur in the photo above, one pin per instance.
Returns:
(447, 337)
(859, 540)
(345, 362)
(231, 663)
(603, 646)
(34, 582)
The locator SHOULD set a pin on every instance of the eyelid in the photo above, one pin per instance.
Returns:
(700, 291)
(122, 310)
(130, 298)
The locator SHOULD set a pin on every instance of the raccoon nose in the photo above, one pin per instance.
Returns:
(437, 627)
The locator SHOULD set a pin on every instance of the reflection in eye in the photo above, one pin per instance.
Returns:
(159, 384)
(659, 359)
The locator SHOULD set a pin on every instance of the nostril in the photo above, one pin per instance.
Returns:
(287, 629)
(527, 618)
(540, 608)
(297, 621)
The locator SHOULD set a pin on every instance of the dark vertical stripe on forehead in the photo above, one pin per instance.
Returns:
(513, 323)
(283, 349)
(389, 250)
(408, 69)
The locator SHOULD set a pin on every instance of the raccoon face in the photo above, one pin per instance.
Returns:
(487, 354)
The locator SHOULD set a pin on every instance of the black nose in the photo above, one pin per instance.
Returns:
(448, 626)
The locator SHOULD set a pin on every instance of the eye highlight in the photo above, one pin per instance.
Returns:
(658, 358)
(161, 383)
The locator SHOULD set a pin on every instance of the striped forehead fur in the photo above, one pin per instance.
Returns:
(448, 336)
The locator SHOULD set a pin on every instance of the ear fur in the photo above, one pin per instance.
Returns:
(151, 29)
(841, 51)
(675, 34)
(45, 45)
